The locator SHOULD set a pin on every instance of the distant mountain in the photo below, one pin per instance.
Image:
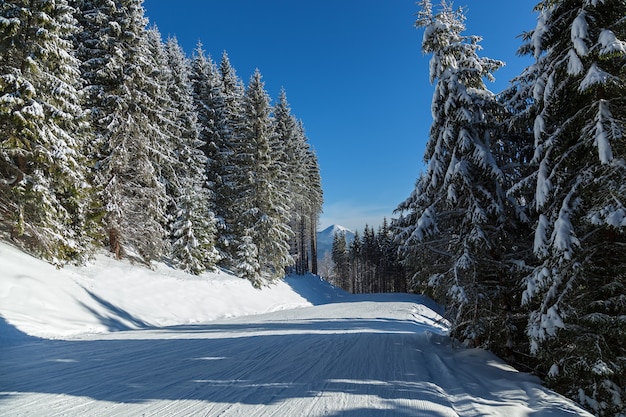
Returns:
(326, 236)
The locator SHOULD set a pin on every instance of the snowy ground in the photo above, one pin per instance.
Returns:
(113, 339)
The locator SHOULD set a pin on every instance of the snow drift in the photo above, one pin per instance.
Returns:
(110, 295)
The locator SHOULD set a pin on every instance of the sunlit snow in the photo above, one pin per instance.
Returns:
(117, 339)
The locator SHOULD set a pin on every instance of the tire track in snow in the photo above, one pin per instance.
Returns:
(358, 359)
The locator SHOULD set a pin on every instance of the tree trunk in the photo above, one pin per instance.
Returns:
(313, 245)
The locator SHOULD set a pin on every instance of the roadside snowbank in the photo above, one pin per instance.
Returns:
(109, 295)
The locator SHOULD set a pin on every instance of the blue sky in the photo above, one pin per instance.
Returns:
(354, 74)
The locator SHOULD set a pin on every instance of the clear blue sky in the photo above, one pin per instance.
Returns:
(354, 74)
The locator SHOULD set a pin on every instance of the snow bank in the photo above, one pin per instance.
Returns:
(109, 295)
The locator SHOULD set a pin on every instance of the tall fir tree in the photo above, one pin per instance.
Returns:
(263, 229)
(341, 260)
(370, 257)
(192, 220)
(122, 97)
(314, 200)
(356, 264)
(390, 267)
(452, 226)
(576, 292)
(297, 182)
(44, 195)
(216, 135)
(233, 95)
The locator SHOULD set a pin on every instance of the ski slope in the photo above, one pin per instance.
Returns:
(323, 353)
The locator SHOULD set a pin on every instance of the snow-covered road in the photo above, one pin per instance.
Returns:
(384, 356)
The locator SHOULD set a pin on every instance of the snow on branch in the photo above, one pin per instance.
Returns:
(563, 236)
(541, 237)
(595, 76)
(544, 185)
(574, 64)
(601, 134)
(610, 44)
(580, 34)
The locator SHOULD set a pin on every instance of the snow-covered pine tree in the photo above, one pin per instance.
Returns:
(216, 135)
(280, 198)
(296, 181)
(314, 199)
(356, 266)
(341, 261)
(577, 325)
(123, 96)
(389, 270)
(163, 113)
(370, 256)
(452, 225)
(192, 221)
(227, 196)
(44, 196)
(263, 212)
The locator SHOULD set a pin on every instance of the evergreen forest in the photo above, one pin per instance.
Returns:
(112, 137)
(518, 224)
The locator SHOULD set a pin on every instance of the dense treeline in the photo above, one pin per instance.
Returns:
(518, 224)
(113, 138)
(368, 263)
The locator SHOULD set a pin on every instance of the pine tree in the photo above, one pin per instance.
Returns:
(341, 261)
(216, 135)
(293, 178)
(297, 182)
(390, 272)
(453, 223)
(370, 255)
(576, 292)
(356, 264)
(263, 211)
(227, 197)
(123, 97)
(192, 221)
(314, 200)
(44, 197)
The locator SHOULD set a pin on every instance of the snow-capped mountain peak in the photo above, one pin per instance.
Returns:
(325, 238)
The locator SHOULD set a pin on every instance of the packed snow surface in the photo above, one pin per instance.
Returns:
(116, 339)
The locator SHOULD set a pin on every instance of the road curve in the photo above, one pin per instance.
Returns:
(352, 359)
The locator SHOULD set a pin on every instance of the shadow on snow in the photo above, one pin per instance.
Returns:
(243, 365)
(258, 369)
(265, 362)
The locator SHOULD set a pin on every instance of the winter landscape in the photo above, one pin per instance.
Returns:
(116, 339)
(160, 242)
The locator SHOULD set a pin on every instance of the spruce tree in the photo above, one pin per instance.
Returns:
(390, 270)
(192, 221)
(294, 158)
(578, 108)
(314, 200)
(356, 264)
(217, 144)
(227, 199)
(341, 261)
(452, 226)
(123, 96)
(263, 212)
(370, 254)
(44, 197)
